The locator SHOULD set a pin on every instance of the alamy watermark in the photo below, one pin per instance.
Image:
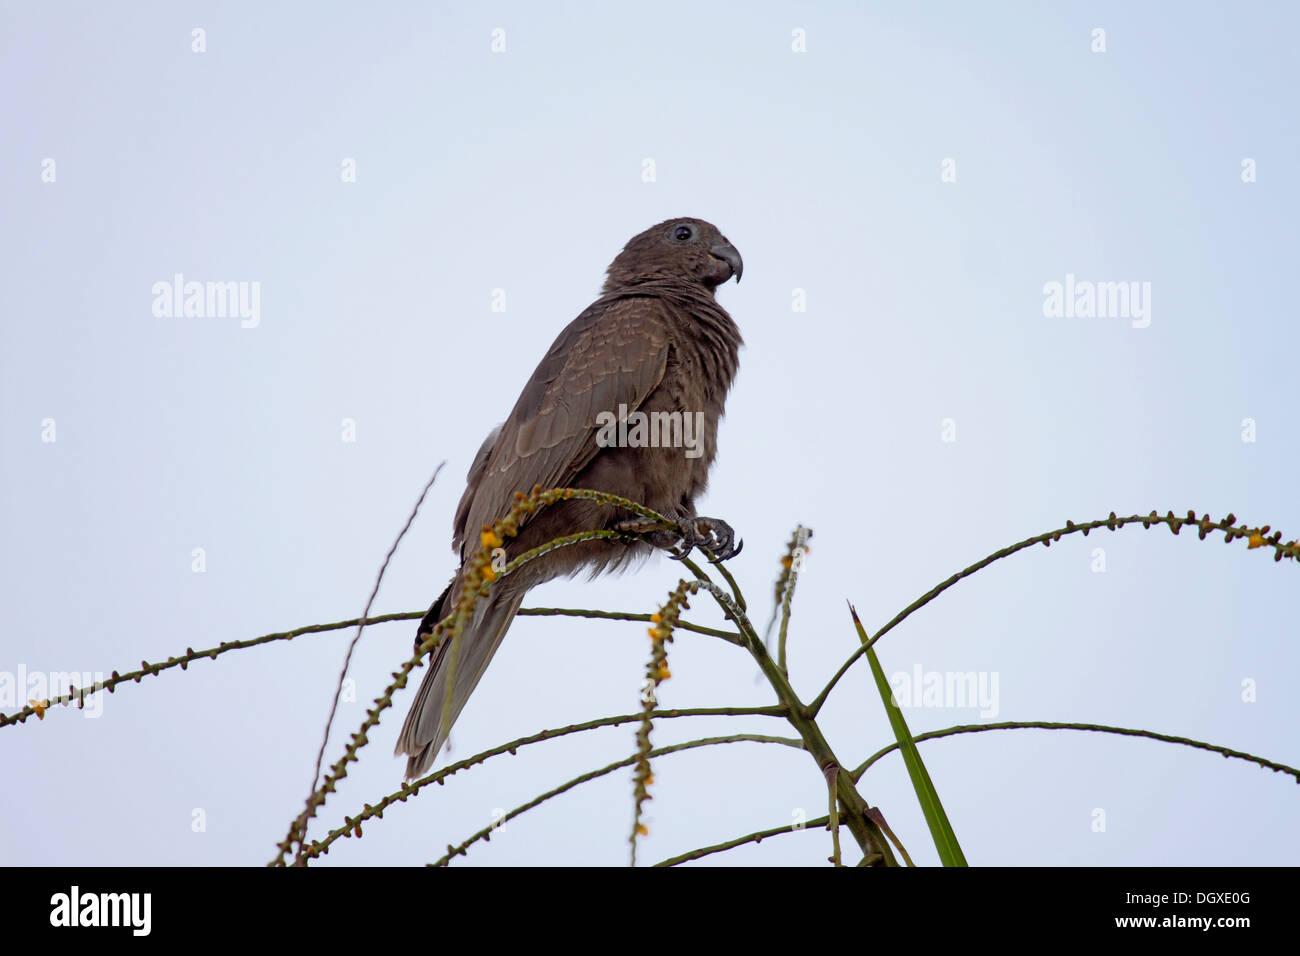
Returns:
(638, 429)
(20, 687)
(946, 690)
(132, 911)
(1085, 299)
(208, 300)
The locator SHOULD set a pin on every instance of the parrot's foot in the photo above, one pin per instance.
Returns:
(712, 535)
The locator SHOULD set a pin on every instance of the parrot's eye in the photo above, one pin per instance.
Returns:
(682, 233)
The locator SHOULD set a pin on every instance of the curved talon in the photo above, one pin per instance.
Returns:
(727, 556)
(718, 539)
(689, 539)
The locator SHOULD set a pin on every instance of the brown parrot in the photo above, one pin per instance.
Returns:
(655, 341)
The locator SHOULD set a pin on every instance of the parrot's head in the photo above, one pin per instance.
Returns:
(686, 249)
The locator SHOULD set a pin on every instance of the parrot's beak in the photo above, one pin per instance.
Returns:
(731, 256)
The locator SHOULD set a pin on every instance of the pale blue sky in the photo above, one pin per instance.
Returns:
(523, 171)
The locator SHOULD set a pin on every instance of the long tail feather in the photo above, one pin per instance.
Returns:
(423, 734)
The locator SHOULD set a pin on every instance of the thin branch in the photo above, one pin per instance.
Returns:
(798, 548)
(661, 635)
(78, 694)
(352, 825)
(190, 656)
(361, 626)
(731, 583)
(730, 636)
(758, 837)
(486, 832)
(1095, 728)
(1255, 537)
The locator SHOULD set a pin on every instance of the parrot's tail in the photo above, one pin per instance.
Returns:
(425, 732)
